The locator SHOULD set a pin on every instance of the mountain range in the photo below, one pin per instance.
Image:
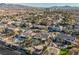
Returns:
(4, 5)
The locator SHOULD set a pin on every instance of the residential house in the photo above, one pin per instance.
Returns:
(55, 28)
(19, 38)
(63, 40)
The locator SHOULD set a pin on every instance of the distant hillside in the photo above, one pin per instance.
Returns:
(64, 8)
(3, 5)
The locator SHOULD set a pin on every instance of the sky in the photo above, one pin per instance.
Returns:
(51, 4)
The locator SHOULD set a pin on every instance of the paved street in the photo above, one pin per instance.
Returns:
(5, 51)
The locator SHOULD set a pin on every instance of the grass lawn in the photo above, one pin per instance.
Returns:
(64, 51)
